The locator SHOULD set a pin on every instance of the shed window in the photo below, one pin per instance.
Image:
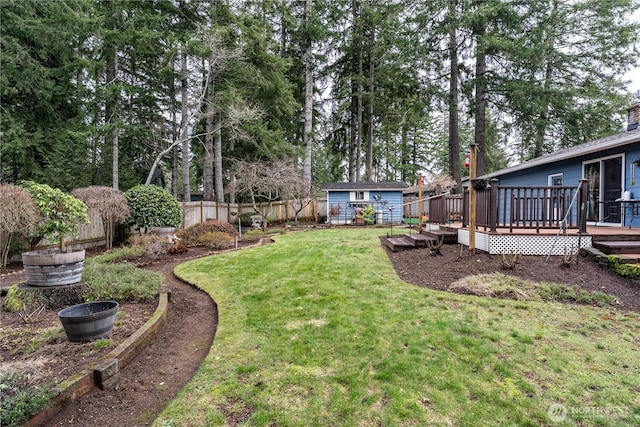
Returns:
(359, 195)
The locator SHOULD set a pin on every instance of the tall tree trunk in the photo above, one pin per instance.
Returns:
(360, 109)
(480, 101)
(210, 112)
(184, 126)
(308, 100)
(372, 44)
(217, 155)
(111, 108)
(541, 121)
(174, 138)
(454, 138)
(356, 108)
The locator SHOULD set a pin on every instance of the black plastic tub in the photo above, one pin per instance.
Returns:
(89, 321)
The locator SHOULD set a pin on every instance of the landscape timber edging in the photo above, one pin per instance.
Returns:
(99, 374)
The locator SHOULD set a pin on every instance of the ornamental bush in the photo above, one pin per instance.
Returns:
(152, 206)
(62, 214)
(192, 236)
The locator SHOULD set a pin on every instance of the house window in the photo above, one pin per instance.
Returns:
(358, 196)
(555, 180)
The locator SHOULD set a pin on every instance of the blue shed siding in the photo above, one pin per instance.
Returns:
(572, 171)
(341, 199)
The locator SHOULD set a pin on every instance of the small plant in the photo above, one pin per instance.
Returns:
(29, 316)
(508, 262)
(434, 247)
(177, 248)
(152, 206)
(21, 397)
(569, 257)
(62, 214)
(101, 343)
(368, 215)
(13, 301)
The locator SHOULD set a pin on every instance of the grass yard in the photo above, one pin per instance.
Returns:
(318, 330)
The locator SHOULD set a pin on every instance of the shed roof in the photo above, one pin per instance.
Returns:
(371, 186)
(595, 146)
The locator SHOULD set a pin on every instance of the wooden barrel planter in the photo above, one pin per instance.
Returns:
(89, 321)
(53, 267)
(167, 233)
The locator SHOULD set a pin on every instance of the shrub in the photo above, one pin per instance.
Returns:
(254, 234)
(152, 206)
(217, 240)
(18, 215)
(624, 269)
(150, 243)
(109, 203)
(62, 213)
(191, 236)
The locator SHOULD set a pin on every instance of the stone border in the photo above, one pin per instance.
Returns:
(105, 373)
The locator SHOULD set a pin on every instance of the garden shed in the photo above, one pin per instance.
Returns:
(363, 202)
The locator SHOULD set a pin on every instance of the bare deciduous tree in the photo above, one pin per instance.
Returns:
(110, 204)
(18, 215)
(264, 182)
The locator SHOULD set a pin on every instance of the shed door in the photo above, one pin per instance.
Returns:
(605, 186)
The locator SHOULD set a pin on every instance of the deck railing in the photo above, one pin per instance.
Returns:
(440, 209)
(527, 207)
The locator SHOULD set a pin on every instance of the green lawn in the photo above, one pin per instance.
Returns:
(318, 330)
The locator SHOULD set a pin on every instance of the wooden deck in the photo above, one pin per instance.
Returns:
(632, 233)
(622, 241)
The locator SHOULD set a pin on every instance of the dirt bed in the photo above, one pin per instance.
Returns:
(417, 266)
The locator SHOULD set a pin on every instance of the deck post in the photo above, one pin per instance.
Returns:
(493, 205)
(420, 203)
(472, 198)
(582, 205)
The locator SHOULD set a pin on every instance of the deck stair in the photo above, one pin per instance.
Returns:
(407, 241)
(624, 246)
(449, 235)
(420, 240)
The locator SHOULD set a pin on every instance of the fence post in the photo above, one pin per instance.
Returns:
(493, 205)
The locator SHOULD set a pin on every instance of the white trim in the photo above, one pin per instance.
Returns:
(554, 175)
